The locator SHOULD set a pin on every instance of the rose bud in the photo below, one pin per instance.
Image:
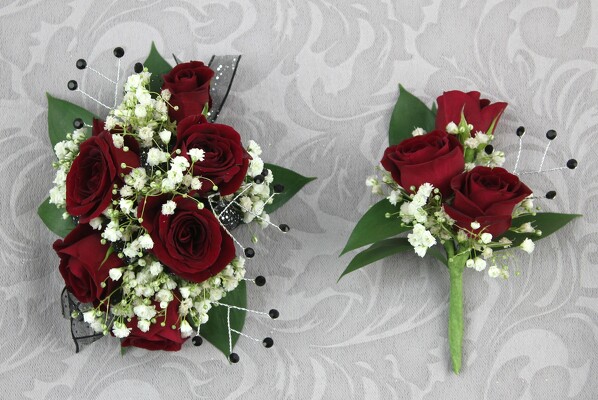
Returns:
(189, 85)
(478, 112)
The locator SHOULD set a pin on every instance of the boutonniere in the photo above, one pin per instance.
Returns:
(445, 188)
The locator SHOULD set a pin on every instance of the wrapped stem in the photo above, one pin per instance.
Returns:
(455, 326)
(456, 265)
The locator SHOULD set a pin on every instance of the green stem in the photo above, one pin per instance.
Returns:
(456, 266)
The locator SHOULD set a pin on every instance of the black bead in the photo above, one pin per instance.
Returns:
(520, 131)
(268, 342)
(118, 52)
(551, 134)
(551, 195)
(264, 172)
(249, 252)
(234, 358)
(572, 163)
(138, 68)
(273, 313)
(284, 227)
(489, 149)
(72, 85)
(260, 280)
(258, 179)
(78, 123)
(278, 188)
(197, 341)
(81, 64)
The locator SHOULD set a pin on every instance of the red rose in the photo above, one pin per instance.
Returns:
(435, 158)
(478, 112)
(487, 196)
(226, 161)
(191, 242)
(82, 264)
(158, 337)
(95, 170)
(189, 84)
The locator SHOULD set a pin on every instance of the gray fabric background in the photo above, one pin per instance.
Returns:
(316, 86)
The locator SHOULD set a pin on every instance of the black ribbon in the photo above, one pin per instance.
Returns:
(83, 335)
(225, 68)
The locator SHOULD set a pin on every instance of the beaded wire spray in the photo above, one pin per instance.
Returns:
(229, 214)
(550, 135)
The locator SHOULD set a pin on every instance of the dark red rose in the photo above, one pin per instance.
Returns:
(158, 337)
(226, 161)
(191, 241)
(487, 196)
(435, 158)
(82, 264)
(95, 170)
(478, 112)
(189, 84)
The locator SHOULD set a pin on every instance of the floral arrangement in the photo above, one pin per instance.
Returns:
(146, 201)
(447, 188)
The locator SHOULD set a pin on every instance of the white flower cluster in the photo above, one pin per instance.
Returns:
(253, 197)
(481, 246)
(147, 292)
(424, 213)
(66, 151)
(374, 182)
(140, 111)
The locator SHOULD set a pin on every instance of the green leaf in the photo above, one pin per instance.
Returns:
(409, 113)
(52, 218)
(374, 226)
(548, 223)
(215, 330)
(377, 251)
(108, 253)
(158, 66)
(61, 115)
(434, 110)
(292, 182)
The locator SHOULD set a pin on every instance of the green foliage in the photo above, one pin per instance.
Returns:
(61, 115)
(158, 66)
(215, 330)
(548, 223)
(409, 113)
(292, 182)
(377, 251)
(374, 226)
(52, 218)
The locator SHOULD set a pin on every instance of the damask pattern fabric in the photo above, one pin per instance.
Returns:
(316, 86)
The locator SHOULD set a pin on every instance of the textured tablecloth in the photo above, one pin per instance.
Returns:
(316, 85)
